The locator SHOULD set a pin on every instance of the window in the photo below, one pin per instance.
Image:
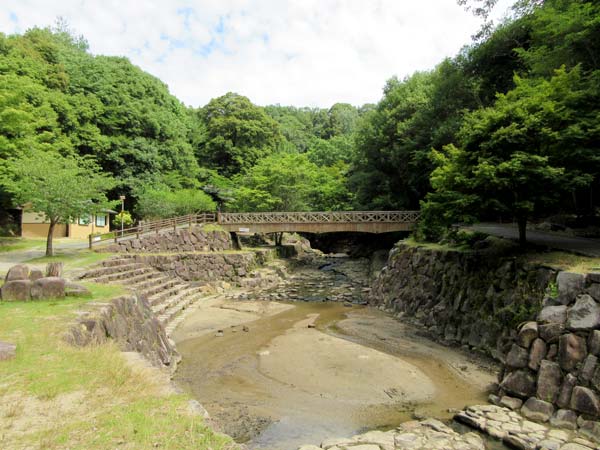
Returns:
(101, 221)
(85, 219)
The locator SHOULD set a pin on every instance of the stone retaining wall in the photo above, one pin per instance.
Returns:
(468, 298)
(130, 322)
(194, 239)
(206, 267)
(553, 362)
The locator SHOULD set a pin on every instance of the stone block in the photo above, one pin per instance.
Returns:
(76, 290)
(584, 315)
(537, 410)
(550, 332)
(594, 343)
(553, 314)
(48, 287)
(36, 274)
(527, 334)
(552, 352)
(570, 285)
(548, 381)
(566, 390)
(18, 272)
(592, 277)
(594, 291)
(564, 418)
(572, 350)
(537, 353)
(16, 290)
(7, 351)
(595, 381)
(511, 402)
(517, 357)
(520, 383)
(589, 366)
(585, 401)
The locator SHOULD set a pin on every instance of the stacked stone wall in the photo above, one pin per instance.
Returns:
(467, 298)
(553, 364)
(194, 239)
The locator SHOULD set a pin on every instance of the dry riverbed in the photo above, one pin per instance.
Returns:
(282, 374)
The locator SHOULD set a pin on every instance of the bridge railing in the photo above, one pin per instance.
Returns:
(152, 226)
(320, 217)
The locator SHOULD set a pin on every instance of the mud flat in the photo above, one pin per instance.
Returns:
(276, 375)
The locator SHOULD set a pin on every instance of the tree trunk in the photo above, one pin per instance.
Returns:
(278, 239)
(49, 249)
(522, 223)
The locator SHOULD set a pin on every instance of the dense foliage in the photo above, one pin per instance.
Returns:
(507, 128)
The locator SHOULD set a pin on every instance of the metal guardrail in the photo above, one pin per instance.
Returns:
(154, 226)
(320, 217)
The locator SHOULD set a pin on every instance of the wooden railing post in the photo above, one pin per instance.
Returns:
(90, 241)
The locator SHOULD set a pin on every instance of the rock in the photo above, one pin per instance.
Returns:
(589, 365)
(18, 272)
(537, 353)
(564, 418)
(584, 315)
(16, 290)
(35, 274)
(585, 401)
(594, 291)
(592, 277)
(550, 332)
(566, 390)
(548, 382)
(48, 287)
(549, 444)
(590, 429)
(76, 290)
(54, 269)
(553, 314)
(595, 381)
(570, 285)
(309, 447)
(511, 402)
(245, 329)
(594, 342)
(537, 410)
(7, 351)
(552, 352)
(517, 357)
(573, 446)
(520, 383)
(571, 350)
(527, 334)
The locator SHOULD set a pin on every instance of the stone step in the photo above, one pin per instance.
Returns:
(159, 288)
(159, 297)
(174, 300)
(125, 276)
(146, 285)
(174, 309)
(116, 261)
(138, 280)
(109, 270)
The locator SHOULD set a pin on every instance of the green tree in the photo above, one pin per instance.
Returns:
(161, 202)
(237, 134)
(62, 188)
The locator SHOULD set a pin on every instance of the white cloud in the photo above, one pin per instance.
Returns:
(299, 52)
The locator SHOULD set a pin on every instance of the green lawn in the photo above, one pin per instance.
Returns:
(55, 396)
(9, 244)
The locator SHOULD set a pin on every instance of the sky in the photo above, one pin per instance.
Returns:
(291, 52)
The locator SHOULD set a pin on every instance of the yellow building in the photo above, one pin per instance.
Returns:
(33, 224)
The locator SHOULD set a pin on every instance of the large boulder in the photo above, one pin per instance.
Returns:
(566, 390)
(553, 314)
(570, 285)
(548, 382)
(16, 290)
(517, 357)
(520, 383)
(76, 290)
(550, 332)
(18, 272)
(7, 351)
(585, 401)
(48, 287)
(571, 350)
(537, 410)
(527, 334)
(594, 343)
(584, 315)
(537, 353)
(564, 418)
(36, 274)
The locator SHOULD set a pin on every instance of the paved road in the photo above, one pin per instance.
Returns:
(9, 259)
(582, 246)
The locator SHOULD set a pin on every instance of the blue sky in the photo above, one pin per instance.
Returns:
(303, 52)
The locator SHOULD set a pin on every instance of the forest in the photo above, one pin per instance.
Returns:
(509, 128)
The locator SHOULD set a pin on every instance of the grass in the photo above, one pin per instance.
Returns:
(212, 227)
(412, 242)
(56, 396)
(565, 261)
(9, 244)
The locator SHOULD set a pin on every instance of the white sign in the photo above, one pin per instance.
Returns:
(244, 230)
(97, 238)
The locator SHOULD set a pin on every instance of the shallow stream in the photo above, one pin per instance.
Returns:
(282, 374)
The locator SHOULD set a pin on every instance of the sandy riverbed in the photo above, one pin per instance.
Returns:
(281, 383)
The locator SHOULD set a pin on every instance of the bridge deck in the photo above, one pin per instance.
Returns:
(319, 222)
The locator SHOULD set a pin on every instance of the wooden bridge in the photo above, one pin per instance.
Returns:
(319, 222)
(274, 222)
